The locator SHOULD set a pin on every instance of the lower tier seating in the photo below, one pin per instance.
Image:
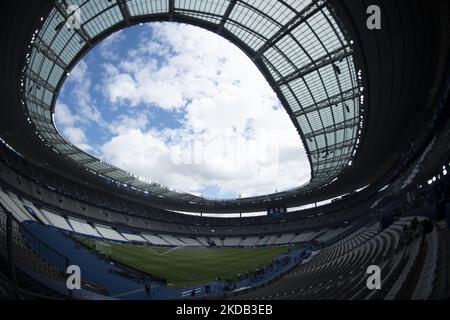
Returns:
(339, 271)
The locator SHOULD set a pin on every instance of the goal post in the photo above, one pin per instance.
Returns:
(103, 248)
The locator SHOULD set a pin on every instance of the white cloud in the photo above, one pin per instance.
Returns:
(72, 120)
(125, 123)
(81, 98)
(198, 62)
(79, 73)
(68, 124)
(64, 116)
(109, 47)
(151, 154)
(77, 137)
(248, 143)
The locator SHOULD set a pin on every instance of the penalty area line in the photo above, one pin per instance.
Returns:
(165, 252)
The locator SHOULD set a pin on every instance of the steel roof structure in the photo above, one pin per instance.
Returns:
(300, 47)
(402, 69)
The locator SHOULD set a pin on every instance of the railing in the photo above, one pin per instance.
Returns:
(27, 254)
(48, 254)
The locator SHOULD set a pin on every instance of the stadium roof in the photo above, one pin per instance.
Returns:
(301, 49)
(401, 69)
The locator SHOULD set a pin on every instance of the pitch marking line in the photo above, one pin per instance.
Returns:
(165, 252)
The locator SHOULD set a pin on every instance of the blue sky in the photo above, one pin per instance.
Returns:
(181, 106)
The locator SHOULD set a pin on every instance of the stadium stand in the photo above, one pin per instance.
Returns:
(217, 241)
(36, 212)
(56, 220)
(172, 240)
(190, 242)
(249, 242)
(337, 268)
(231, 242)
(203, 241)
(133, 237)
(109, 233)
(82, 227)
(284, 239)
(427, 277)
(155, 240)
(303, 237)
(8, 203)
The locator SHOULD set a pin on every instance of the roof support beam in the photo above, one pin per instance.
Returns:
(340, 145)
(39, 81)
(70, 153)
(48, 131)
(33, 100)
(335, 56)
(300, 18)
(55, 142)
(171, 9)
(43, 48)
(150, 188)
(105, 171)
(326, 175)
(333, 160)
(126, 180)
(138, 184)
(124, 11)
(87, 161)
(349, 123)
(333, 100)
(41, 118)
(226, 15)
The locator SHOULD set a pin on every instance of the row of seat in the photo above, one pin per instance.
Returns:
(25, 210)
(23, 255)
(92, 204)
(339, 271)
(425, 284)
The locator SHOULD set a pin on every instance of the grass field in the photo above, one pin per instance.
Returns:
(185, 266)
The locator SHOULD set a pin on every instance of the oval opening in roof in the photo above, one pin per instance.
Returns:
(183, 107)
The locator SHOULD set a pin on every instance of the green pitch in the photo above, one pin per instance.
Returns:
(184, 267)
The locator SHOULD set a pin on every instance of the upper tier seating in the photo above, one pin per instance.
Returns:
(25, 210)
(11, 205)
(133, 237)
(155, 240)
(172, 240)
(249, 242)
(83, 228)
(56, 220)
(190, 242)
(109, 233)
(286, 238)
(304, 237)
(232, 242)
(44, 188)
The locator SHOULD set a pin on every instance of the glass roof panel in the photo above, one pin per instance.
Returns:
(216, 7)
(308, 60)
(145, 7)
(248, 36)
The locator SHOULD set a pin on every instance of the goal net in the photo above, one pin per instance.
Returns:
(103, 248)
